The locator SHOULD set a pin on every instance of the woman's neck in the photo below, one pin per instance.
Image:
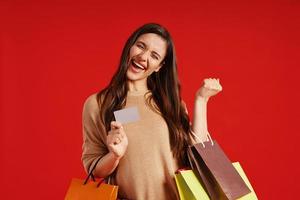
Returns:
(137, 85)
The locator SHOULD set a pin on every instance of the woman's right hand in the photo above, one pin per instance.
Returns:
(117, 141)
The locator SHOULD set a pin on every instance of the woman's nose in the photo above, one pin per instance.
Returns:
(144, 55)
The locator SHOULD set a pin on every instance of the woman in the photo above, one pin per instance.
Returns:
(141, 157)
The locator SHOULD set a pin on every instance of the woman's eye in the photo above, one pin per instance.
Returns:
(140, 46)
(155, 57)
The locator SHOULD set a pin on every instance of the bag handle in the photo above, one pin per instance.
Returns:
(209, 138)
(91, 174)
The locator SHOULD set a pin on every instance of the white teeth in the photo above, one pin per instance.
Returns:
(137, 64)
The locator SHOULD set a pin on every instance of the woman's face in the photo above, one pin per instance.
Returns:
(146, 56)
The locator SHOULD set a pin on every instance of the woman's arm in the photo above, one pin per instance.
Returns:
(199, 125)
(117, 143)
(106, 165)
(209, 88)
(97, 143)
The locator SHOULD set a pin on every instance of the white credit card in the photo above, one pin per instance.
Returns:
(127, 115)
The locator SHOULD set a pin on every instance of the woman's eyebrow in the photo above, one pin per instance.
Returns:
(141, 43)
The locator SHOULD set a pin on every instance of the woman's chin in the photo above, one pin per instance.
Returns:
(133, 77)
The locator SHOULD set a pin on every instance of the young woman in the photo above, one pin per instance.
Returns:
(141, 157)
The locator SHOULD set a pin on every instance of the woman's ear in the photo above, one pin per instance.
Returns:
(158, 68)
(160, 65)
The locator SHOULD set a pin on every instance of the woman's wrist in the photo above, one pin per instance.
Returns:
(201, 99)
(114, 156)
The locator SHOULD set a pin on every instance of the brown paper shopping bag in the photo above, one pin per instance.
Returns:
(220, 179)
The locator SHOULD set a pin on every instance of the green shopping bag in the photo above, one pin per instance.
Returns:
(189, 187)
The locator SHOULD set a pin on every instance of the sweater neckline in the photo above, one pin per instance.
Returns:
(137, 93)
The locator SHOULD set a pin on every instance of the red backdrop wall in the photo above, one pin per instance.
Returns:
(55, 54)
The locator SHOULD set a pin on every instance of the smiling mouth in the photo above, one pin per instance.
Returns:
(137, 65)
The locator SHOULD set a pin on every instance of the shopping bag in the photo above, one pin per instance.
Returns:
(252, 195)
(189, 186)
(91, 190)
(220, 179)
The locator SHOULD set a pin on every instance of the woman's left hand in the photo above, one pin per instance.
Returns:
(209, 88)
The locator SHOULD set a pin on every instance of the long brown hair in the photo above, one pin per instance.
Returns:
(165, 88)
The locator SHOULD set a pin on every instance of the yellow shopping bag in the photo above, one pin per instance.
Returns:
(189, 187)
(251, 195)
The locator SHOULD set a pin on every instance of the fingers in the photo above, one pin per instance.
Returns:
(117, 140)
(116, 134)
(212, 83)
(114, 138)
(117, 128)
(115, 125)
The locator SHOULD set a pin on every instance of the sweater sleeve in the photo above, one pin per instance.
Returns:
(94, 134)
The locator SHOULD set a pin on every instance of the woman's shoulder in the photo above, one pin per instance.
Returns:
(90, 104)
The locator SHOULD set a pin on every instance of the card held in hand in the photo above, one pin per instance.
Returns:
(127, 115)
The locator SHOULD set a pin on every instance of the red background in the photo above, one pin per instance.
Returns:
(55, 54)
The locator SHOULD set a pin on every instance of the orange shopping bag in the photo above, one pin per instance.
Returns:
(91, 190)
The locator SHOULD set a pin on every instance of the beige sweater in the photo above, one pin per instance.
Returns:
(146, 171)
